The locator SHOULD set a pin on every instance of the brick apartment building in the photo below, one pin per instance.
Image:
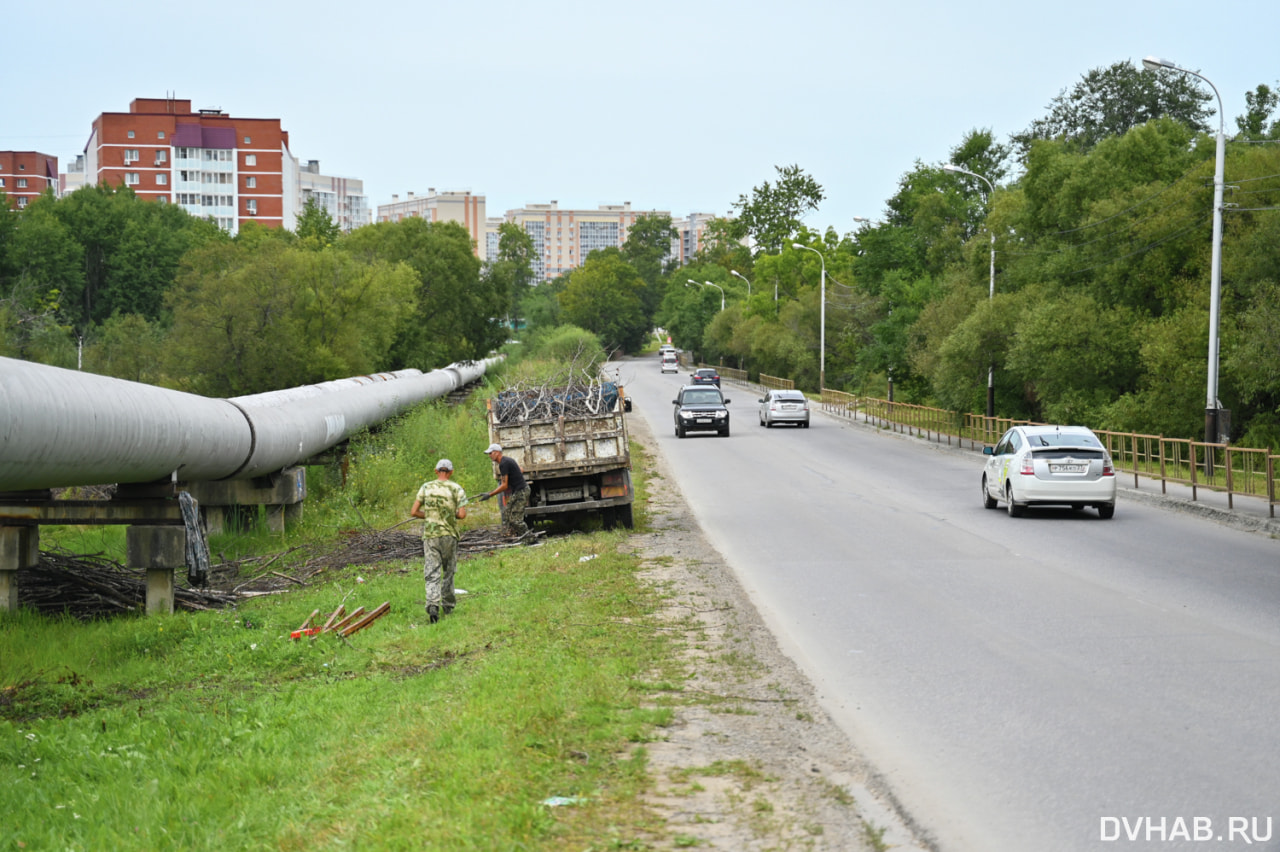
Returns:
(26, 174)
(233, 170)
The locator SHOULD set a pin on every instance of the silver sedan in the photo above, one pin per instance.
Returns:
(1049, 465)
(784, 406)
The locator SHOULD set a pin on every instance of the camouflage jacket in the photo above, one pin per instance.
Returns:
(440, 499)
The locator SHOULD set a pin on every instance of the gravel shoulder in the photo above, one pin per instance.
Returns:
(751, 761)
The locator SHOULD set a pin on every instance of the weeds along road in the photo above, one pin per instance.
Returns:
(1051, 682)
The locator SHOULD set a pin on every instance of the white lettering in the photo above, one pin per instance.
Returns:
(1204, 828)
(1179, 830)
(1133, 831)
(1151, 827)
(1255, 830)
(1114, 824)
(1238, 825)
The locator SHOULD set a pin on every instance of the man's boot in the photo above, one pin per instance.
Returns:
(433, 613)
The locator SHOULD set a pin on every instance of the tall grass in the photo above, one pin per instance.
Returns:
(218, 731)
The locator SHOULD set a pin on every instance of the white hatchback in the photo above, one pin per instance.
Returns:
(1049, 465)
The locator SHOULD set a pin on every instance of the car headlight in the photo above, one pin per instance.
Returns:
(722, 414)
(688, 415)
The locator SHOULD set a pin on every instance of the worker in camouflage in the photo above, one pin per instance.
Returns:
(441, 503)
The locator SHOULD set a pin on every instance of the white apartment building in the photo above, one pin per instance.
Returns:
(342, 198)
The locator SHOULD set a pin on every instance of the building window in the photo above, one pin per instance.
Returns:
(247, 140)
(130, 134)
(160, 135)
(1, 181)
(22, 202)
(162, 179)
(250, 182)
(251, 159)
(131, 156)
(22, 183)
(131, 179)
(162, 157)
(251, 206)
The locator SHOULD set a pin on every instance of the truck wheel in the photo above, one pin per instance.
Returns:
(625, 517)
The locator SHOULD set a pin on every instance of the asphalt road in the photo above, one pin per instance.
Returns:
(1051, 682)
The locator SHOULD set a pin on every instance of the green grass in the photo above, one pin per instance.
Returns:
(218, 731)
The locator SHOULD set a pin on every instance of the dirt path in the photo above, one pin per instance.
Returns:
(752, 761)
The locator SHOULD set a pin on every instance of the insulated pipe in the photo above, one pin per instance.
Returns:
(63, 428)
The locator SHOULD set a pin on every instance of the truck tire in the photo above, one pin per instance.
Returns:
(625, 516)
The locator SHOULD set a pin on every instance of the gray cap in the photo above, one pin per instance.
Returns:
(444, 464)
(493, 448)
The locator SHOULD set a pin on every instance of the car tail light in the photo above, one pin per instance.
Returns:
(1028, 466)
(1107, 468)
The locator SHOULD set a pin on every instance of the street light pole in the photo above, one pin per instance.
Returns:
(991, 291)
(710, 284)
(1211, 406)
(738, 274)
(822, 321)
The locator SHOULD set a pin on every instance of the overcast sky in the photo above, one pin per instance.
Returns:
(678, 105)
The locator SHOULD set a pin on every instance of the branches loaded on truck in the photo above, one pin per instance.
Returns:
(571, 443)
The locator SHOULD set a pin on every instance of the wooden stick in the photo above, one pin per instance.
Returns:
(368, 619)
(337, 613)
(350, 618)
(307, 623)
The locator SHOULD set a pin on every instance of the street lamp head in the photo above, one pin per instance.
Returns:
(1155, 63)
(737, 273)
(952, 167)
(691, 281)
(797, 245)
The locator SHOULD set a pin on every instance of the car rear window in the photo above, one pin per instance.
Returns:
(1063, 439)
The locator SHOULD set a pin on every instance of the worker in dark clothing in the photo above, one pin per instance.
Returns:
(514, 490)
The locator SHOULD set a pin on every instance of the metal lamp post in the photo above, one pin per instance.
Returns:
(991, 294)
(738, 274)
(710, 284)
(822, 321)
(1211, 407)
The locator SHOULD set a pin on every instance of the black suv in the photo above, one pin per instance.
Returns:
(701, 408)
(705, 376)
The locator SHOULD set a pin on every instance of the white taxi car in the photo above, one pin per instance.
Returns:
(1049, 465)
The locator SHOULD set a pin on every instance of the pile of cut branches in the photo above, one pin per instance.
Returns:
(576, 393)
(90, 586)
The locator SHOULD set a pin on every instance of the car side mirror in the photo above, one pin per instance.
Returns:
(675, 402)
(759, 400)
(727, 401)
(988, 451)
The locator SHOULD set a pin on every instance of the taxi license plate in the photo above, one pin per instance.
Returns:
(1068, 468)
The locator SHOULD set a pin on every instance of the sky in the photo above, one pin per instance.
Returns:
(674, 105)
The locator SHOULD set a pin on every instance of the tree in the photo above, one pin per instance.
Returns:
(1262, 103)
(511, 274)
(315, 227)
(1109, 101)
(274, 316)
(604, 296)
(458, 312)
(771, 216)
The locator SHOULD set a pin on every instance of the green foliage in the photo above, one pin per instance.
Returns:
(275, 316)
(605, 296)
(127, 346)
(456, 310)
(772, 215)
(568, 345)
(315, 227)
(1110, 101)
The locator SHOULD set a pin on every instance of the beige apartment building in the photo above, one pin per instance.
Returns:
(461, 207)
(562, 238)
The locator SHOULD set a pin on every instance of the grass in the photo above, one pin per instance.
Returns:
(217, 731)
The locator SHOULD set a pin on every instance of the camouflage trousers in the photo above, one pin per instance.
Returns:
(513, 513)
(440, 563)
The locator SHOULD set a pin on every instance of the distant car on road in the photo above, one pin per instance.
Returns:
(784, 406)
(699, 408)
(705, 376)
(1049, 465)
(670, 363)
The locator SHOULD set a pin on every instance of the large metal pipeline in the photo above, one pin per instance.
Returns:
(63, 428)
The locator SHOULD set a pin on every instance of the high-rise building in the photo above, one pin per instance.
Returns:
(26, 174)
(462, 207)
(233, 170)
(342, 198)
(562, 239)
(73, 178)
(689, 233)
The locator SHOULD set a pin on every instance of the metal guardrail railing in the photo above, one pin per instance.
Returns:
(776, 383)
(1222, 468)
(733, 373)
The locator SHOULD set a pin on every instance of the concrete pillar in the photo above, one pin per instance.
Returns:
(19, 548)
(160, 550)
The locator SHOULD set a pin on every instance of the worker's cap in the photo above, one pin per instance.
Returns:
(493, 448)
(444, 464)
